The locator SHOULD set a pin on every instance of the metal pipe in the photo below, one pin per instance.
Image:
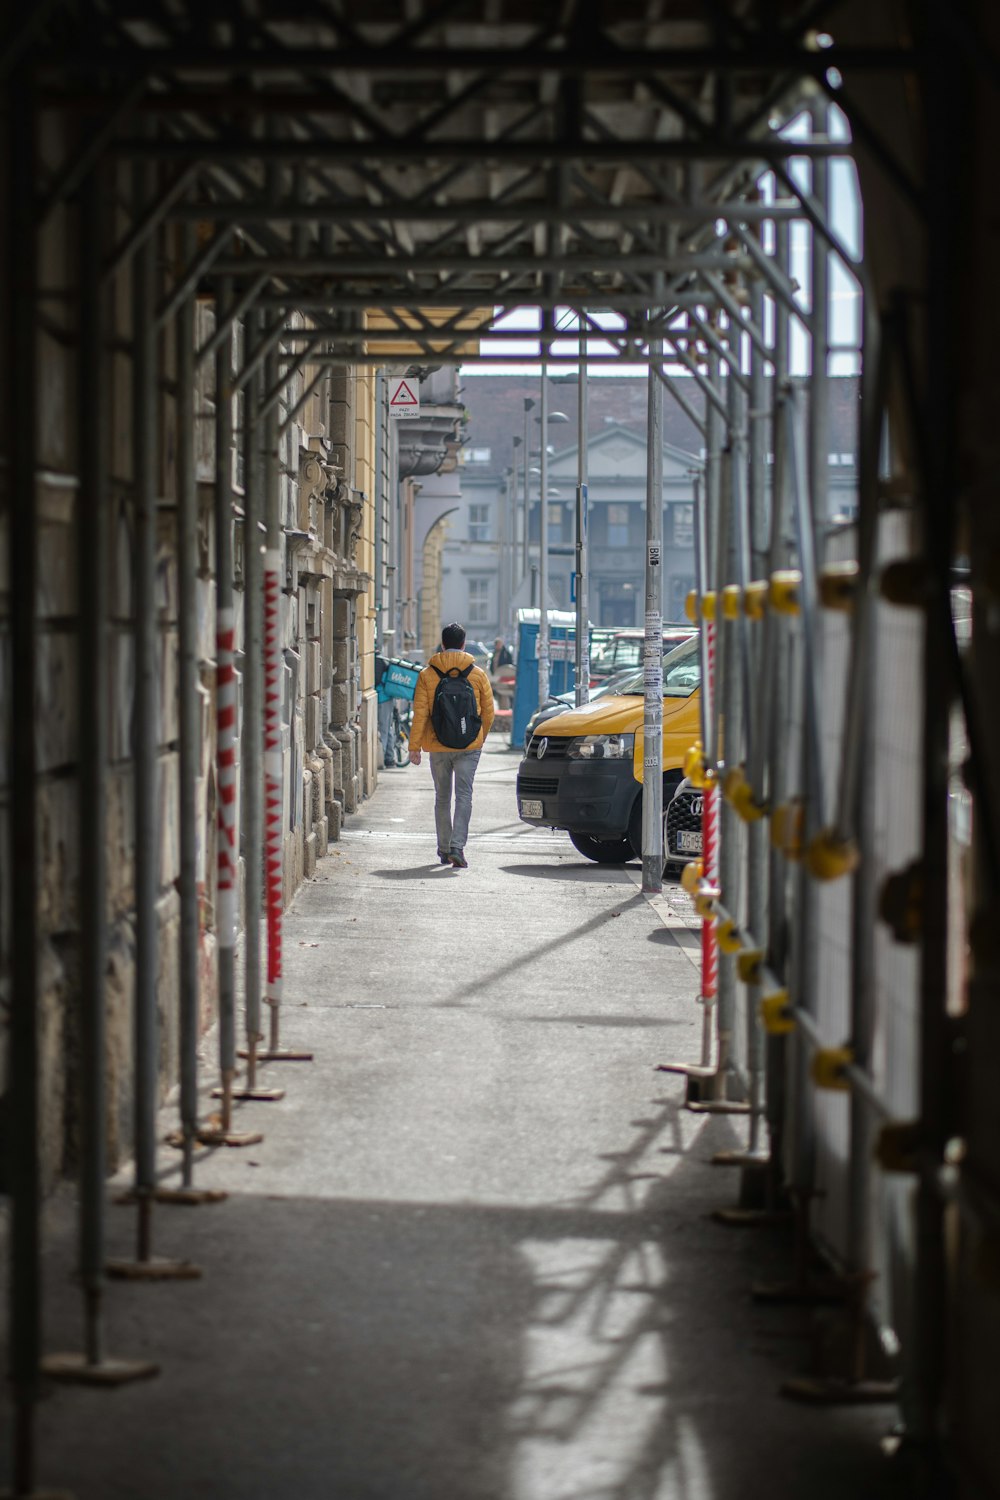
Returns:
(381, 569)
(582, 538)
(652, 726)
(23, 1081)
(543, 545)
(525, 537)
(225, 713)
(251, 764)
(819, 374)
(189, 692)
(274, 671)
(145, 410)
(92, 546)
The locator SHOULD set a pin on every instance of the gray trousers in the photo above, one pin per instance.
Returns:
(453, 828)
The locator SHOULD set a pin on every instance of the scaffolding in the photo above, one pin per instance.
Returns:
(214, 214)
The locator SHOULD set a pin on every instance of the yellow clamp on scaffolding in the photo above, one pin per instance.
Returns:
(827, 1068)
(708, 605)
(901, 903)
(829, 856)
(706, 903)
(729, 937)
(691, 606)
(776, 1014)
(697, 772)
(897, 1146)
(731, 596)
(784, 591)
(786, 829)
(905, 582)
(691, 876)
(750, 965)
(755, 599)
(739, 794)
(838, 586)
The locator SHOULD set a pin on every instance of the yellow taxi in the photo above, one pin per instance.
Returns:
(582, 771)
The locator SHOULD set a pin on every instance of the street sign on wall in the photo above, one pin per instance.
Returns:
(404, 398)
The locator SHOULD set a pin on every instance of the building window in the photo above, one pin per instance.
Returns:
(617, 525)
(683, 525)
(479, 523)
(475, 455)
(479, 601)
(555, 522)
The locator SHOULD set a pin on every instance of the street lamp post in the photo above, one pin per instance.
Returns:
(582, 559)
(543, 548)
(528, 407)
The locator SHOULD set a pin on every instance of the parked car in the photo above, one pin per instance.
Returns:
(624, 649)
(682, 825)
(558, 703)
(583, 771)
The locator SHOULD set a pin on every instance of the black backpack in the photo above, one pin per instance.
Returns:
(455, 714)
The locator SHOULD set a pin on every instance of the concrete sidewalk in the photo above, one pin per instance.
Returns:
(471, 1258)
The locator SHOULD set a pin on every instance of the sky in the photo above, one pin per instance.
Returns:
(845, 203)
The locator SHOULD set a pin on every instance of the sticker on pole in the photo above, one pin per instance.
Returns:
(653, 554)
(404, 400)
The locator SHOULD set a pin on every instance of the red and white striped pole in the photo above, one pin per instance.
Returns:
(273, 798)
(710, 873)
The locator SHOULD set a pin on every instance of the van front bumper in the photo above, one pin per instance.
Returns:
(581, 796)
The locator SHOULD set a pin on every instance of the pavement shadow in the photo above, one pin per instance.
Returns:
(676, 937)
(583, 872)
(601, 1347)
(417, 872)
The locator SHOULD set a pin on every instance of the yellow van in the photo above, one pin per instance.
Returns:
(582, 771)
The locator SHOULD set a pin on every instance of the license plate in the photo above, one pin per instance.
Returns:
(689, 840)
(533, 810)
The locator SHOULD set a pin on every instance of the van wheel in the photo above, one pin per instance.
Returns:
(602, 851)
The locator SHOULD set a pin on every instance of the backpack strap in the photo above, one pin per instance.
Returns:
(456, 671)
(438, 670)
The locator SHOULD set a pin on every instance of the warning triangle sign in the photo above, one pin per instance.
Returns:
(403, 401)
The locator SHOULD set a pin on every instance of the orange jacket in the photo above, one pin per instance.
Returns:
(422, 736)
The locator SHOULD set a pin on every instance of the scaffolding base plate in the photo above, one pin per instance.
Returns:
(717, 1107)
(263, 1096)
(751, 1218)
(754, 1161)
(187, 1197)
(153, 1269)
(76, 1369)
(690, 1070)
(807, 1293)
(229, 1137)
(283, 1054)
(828, 1391)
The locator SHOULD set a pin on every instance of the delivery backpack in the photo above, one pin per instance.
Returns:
(455, 714)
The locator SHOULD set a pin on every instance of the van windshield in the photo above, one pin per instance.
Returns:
(681, 673)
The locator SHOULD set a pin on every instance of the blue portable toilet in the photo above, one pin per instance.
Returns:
(562, 664)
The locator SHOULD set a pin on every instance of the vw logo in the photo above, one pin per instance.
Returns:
(543, 745)
(696, 806)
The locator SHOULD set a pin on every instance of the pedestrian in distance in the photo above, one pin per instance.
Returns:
(502, 656)
(452, 714)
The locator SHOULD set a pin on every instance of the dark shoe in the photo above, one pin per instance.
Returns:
(459, 860)
(389, 764)
(444, 858)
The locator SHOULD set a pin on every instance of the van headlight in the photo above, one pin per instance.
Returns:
(601, 747)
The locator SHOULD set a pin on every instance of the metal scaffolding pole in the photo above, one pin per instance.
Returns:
(251, 751)
(227, 879)
(22, 415)
(93, 1366)
(543, 545)
(652, 726)
(582, 539)
(526, 529)
(146, 735)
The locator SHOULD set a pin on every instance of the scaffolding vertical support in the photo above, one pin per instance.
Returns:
(652, 727)
(543, 544)
(22, 414)
(189, 682)
(146, 719)
(251, 757)
(582, 539)
(526, 528)
(92, 544)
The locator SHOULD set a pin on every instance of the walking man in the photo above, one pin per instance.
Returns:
(452, 714)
